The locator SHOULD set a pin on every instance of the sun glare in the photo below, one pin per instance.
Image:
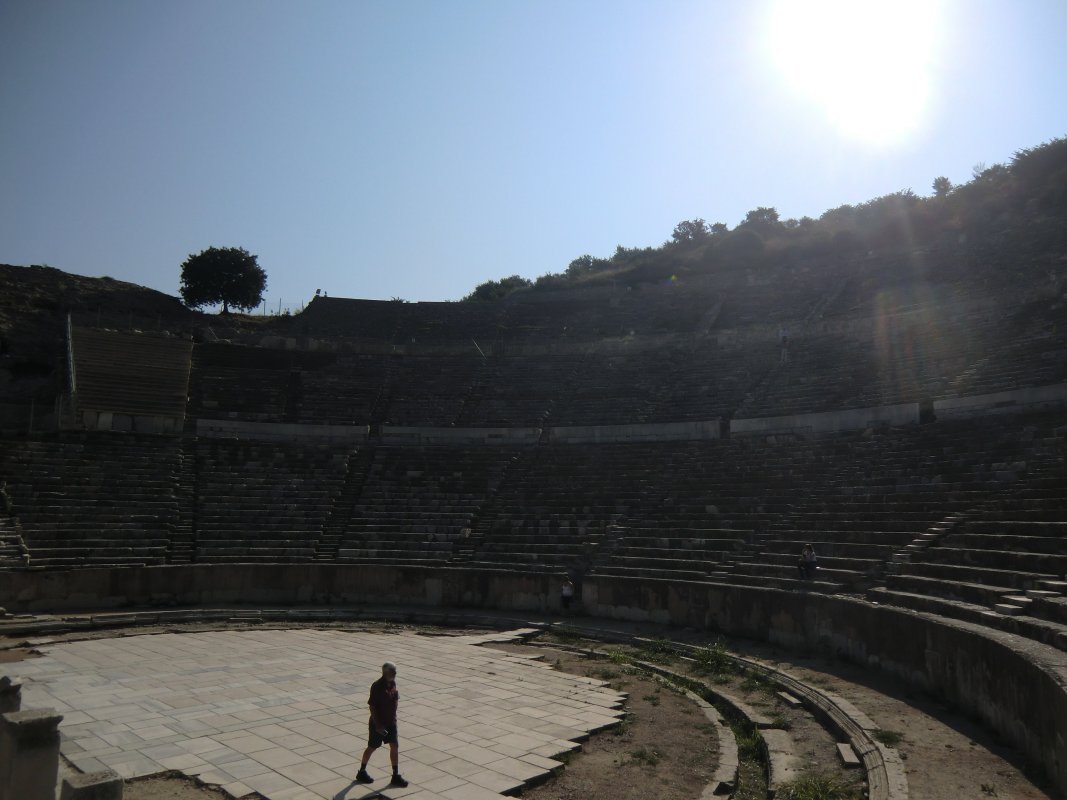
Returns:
(866, 65)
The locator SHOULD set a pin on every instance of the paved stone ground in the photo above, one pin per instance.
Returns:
(284, 712)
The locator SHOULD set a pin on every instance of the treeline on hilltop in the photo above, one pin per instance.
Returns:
(1033, 186)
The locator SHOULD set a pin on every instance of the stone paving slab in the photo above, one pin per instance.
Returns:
(284, 712)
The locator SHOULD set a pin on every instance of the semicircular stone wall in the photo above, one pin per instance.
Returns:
(1018, 687)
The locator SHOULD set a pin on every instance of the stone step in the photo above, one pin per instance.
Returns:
(1036, 594)
(1008, 609)
(848, 755)
(1017, 600)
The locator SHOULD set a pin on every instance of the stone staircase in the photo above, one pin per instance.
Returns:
(182, 549)
(416, 502)
(340, 514)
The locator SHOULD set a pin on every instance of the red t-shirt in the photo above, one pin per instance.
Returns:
(383, 702)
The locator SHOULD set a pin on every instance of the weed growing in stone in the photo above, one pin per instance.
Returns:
(757, 682)
(781, 721)
(888, 738)
(714, 660)
(818, 787)
(604, 673)
(658, 651)
(749, 743)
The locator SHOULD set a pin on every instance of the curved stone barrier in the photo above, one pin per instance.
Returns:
(724, 781)
(1016, 686)
(886, 778)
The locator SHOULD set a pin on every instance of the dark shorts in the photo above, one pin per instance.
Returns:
(375, 739)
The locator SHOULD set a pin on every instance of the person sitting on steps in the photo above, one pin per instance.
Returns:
(808, 563)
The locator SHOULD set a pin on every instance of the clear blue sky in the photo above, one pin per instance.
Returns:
(388, 148)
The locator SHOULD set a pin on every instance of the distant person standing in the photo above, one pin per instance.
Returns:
(384, 698)
(566, 594)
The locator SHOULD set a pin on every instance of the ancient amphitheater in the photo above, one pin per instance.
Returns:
(669, 447)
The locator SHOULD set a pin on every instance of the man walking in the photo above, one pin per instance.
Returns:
(384, 698)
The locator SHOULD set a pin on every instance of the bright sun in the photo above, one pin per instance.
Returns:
(866, 64)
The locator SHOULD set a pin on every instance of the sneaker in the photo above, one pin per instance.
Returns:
(398, 781)
(363, 777)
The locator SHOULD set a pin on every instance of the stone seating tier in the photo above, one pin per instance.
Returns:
(879, 548)
(652, 571)
(92, 497)
(734, 510)
(987, 576)
(1022, 542)
(1053, 609)
(278, 494)
(131, 373)
(1046, 631)
(831, 563)
(983, 594)
(945, 553)
(781, 581)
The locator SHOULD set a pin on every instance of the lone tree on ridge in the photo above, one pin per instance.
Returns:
(228, 275)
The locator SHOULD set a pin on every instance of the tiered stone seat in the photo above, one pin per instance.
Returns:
(416, 502)
(1036, 356)
(11, 554)
(359, 320)
(346, 392)
(435, 323)
(894, 358)
(429, 390)
(260, 501)
(1011, 548)
(668, 383)
(711, 379)
(234, 382)
(857, 498)
(818, 376)
(555, 508)
(93, 498)
(601, 312)
(783, 296)
(134, 374)
(519, 390)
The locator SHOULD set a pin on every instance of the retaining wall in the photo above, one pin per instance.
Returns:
(272, 431)
(419, 435)
(648, 432)
(1017, 686)
(1034, 398)
(849, 419)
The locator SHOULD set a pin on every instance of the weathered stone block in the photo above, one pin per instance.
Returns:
(104, 785)
(10, 695)
(29, 754)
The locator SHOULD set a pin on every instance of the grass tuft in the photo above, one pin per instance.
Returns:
(714, 660)
(643, 755)
(819, 787)
(749, 742)
(888, 738)
(658, 651)
(781, 721)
